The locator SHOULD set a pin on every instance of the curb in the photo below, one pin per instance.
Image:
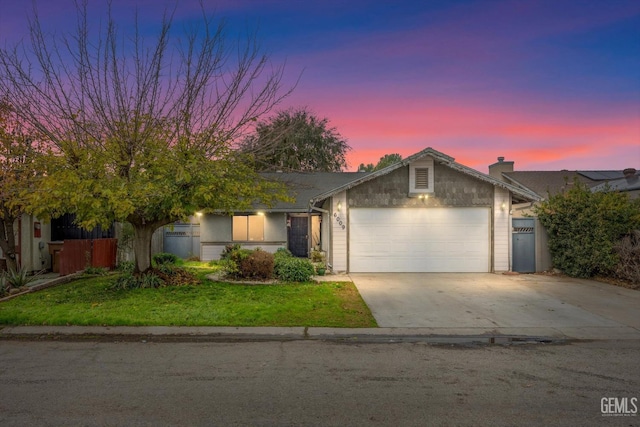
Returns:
(264, 334)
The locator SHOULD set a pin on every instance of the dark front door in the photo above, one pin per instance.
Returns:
(299, 236)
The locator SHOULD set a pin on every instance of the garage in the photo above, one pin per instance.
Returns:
(419, 240)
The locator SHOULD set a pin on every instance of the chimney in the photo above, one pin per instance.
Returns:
(496, 169)
(629, 173)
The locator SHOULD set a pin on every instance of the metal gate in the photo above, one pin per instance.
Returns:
(182, 240)
(524, 245)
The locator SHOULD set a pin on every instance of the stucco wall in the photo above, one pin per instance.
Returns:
(451, 189)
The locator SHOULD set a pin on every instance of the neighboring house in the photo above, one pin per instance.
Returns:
(39, 243)
(426, 213)
(545, 183)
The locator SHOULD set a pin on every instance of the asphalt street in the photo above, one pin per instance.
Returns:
(315, 383)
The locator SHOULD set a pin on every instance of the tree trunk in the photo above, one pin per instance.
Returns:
(8, 243)
(142, 245)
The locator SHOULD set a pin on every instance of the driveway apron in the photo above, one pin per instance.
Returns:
(482, 303)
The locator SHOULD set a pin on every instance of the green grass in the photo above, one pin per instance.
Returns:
(88, 302)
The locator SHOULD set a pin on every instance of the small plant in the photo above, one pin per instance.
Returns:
(229, 249)
(18, 279)
(126, 266)
(4, 286)
(96, 271)
(130, 281)
(164, 258)
(294, 269)
(317, 256)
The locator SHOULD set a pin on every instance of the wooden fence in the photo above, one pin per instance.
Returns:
(76, 255)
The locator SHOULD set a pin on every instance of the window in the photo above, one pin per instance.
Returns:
(422, 178)
(248, 228)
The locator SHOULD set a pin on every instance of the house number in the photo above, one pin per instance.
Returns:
(339, 221)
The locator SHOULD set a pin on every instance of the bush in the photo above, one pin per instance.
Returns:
(583, 228)
(294, 269)
(229, 249)
(126, 266)
(165, 258)
(4, 285)
(18, 279)
(130, 281)
(95, 271)
(258, 265)
(283, 253)
(628, 251)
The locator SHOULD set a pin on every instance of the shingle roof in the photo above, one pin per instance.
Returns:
(547, 182)
(306, 186)
(519, 193)
(544, 183)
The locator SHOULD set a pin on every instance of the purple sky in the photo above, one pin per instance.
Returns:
(547, 84)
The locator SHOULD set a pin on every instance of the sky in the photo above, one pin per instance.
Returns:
(548, 84)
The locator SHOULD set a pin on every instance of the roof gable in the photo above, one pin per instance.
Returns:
(443, 159)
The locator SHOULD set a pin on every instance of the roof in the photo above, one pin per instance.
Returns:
(519, 193)
(544, 183)
(623, 184)
(305, 186)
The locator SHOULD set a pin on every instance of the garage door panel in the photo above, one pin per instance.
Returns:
(419, 240)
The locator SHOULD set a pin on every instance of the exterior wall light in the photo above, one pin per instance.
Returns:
(339, 206)
(503, 206)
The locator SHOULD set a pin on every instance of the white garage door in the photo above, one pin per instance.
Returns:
(419, 240)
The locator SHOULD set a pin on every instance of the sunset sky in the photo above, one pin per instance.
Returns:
(548, 84)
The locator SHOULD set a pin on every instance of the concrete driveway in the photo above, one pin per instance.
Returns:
(485, 303)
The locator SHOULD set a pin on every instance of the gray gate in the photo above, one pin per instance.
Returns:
(182, 240)
(524, 245)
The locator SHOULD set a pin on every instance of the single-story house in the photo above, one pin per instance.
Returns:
(426, 213)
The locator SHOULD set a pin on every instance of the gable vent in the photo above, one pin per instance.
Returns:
(422, 178)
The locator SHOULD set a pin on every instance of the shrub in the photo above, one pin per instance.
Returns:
(229, 249)
(583, 228)
(18, 279)
(628, 251)
(4, 286)
(130, 281)
(258, 265)
(95, 271)
(294, 269)
(317, 256)
(283, 253)
(164, 258)
(126, 266)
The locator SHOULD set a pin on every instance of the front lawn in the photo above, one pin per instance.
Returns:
(88, 301)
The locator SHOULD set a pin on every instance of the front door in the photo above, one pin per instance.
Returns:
(299, 236)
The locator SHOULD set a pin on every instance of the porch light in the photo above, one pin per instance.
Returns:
(503, 206)
(339, 206)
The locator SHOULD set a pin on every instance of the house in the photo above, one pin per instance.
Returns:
(530, 251)
(38, 243)
(426, 213)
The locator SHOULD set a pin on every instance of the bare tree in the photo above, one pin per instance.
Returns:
(141, 130)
